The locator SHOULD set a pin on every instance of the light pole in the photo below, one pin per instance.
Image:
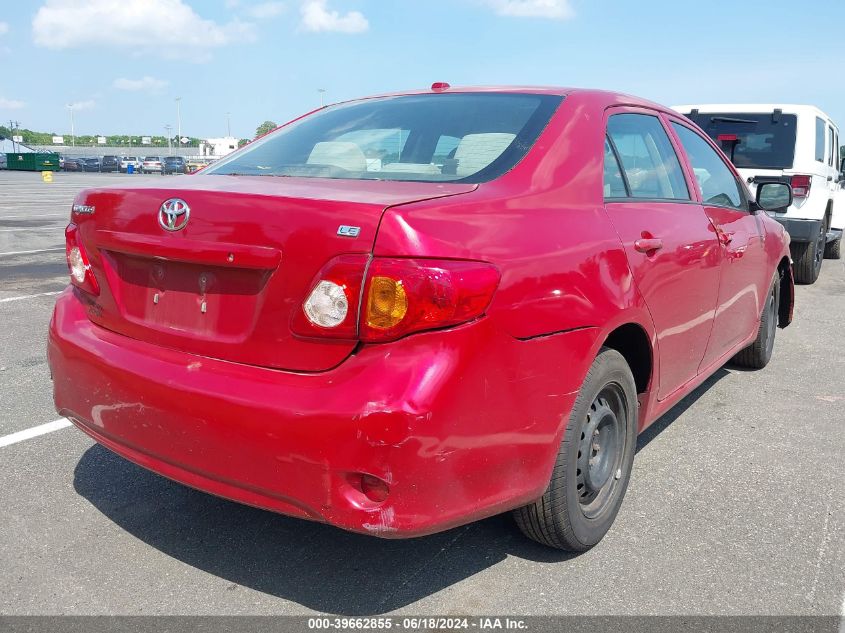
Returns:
(69, 106)
(228, 125)
(322, 91)
(12, 126)
(179, 121)
(168, 129)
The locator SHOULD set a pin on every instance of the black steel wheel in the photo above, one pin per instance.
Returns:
(759, 353)
(593, 465)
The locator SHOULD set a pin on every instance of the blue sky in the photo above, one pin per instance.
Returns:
(123, 62)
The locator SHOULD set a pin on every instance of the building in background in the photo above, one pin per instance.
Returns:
(217, 147)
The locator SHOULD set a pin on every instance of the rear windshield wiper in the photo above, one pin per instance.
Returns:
(727, 119)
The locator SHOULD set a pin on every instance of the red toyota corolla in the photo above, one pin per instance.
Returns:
(404, 313)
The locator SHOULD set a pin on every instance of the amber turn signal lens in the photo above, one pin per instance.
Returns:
(387, 303)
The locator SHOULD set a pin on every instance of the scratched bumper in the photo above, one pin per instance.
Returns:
(457, 433)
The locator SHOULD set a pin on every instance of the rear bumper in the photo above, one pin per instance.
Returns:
(461, 423)
(801, 230)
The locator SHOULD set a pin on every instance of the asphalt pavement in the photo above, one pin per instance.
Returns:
(736, 505)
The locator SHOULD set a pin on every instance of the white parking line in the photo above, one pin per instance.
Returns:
(39, 294)
(35, 431)
(58, 229)
(42, 250)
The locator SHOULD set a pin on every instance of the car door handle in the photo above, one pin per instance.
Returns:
(648, 244)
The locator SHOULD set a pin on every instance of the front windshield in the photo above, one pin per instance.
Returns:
(467, 137)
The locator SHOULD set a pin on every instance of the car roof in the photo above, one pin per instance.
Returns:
(600, 98)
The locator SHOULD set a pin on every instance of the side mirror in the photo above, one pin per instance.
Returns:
(773, 196)
(842, 172)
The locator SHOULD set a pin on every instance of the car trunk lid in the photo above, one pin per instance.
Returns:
(228, 284)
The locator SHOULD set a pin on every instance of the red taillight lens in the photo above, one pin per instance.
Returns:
(331, 307)
(399, 296)
(408, 295)
(78, 265)
(727, 137)
(801, 186)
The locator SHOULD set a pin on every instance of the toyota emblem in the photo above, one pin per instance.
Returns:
(173, 214)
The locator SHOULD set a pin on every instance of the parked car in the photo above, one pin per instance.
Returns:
(151, 164)
(72, 163)
(795, 144)
(110, 163)
(130, 160)
(195, 165)
(91, 164)
(173, 165)
(481, 319)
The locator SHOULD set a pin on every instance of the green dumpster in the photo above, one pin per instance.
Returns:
(33, 161)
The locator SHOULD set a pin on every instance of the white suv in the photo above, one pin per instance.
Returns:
(796, 144)
(130, 160)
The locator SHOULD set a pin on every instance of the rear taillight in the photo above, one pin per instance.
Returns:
(398, 297)
(801, 186)
(78, 265)
(331, 307)
(408, 295)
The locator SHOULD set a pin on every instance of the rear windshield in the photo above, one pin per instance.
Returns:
(460, 137)
(763, 140)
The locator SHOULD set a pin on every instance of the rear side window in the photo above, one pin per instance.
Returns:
(614, 183)
(819, 140)
(651, 167)
(831, 143)
(715, 180)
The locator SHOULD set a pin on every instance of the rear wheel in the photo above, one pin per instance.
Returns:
(808, 257)
(759, 353)
(594, 461)
(833, 250)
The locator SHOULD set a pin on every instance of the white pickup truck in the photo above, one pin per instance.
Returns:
(796, 144)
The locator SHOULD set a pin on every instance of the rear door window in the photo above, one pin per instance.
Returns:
(651, 167)
(715, 180)
(752, 140)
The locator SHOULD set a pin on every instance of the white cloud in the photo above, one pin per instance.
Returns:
(266, 10)
(316, 16)
(552, 9)
(10, 104)
(4, 28)
(145, 84)
(84, 105)
(168, 28)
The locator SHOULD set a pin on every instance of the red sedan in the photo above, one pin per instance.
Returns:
(405, 313)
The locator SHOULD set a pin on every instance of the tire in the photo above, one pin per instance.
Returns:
(759, 353)
(583, 495)
(833, 250)
(808, 258)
